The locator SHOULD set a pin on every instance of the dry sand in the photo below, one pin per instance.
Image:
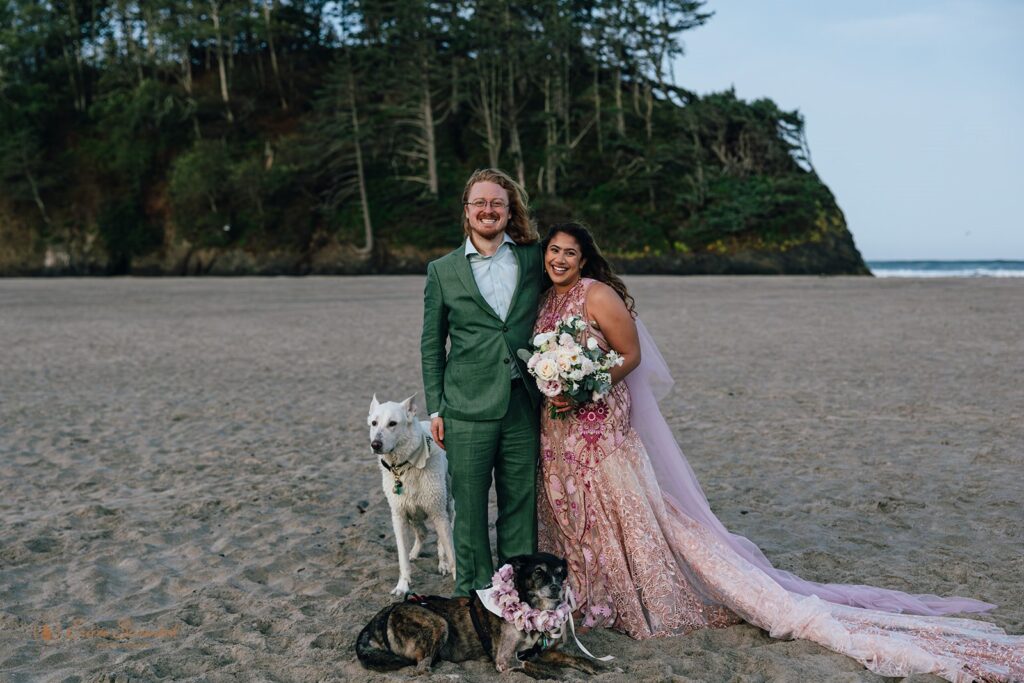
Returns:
(187, 493)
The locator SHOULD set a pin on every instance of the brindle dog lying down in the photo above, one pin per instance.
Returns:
(424, 629)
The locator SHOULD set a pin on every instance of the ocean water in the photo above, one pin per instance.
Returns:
(947, 268)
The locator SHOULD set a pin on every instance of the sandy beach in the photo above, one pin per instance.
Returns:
(188, 494)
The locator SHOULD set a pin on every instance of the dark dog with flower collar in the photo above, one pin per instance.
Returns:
(421, 630)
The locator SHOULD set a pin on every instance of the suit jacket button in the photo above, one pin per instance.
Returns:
(507, 361)
(505, 328)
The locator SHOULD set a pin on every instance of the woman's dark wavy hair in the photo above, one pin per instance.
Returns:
(596, 266)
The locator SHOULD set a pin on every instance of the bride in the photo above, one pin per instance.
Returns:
(647, 556)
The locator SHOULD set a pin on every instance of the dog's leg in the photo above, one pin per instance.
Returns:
(445, 547)
(417, 634)
(547, 663)
(419, 531)
(505, 647)
(404, 571)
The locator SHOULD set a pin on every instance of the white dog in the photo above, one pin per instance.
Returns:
(414, 475)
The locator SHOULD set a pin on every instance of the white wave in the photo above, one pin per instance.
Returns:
(966, 272)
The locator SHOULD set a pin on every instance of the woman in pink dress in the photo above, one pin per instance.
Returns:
(647, 556)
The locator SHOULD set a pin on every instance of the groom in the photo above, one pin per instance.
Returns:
(484, 408)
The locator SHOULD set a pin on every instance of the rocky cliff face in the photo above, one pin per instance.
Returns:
(832, 255)
(825, 252)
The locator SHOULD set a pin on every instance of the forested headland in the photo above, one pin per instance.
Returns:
(293, 137)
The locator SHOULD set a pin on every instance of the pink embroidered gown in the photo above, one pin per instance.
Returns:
(642, 566)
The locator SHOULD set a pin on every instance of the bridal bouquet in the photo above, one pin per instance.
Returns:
(564, 367)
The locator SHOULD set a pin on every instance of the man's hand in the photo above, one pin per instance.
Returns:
(437, 430)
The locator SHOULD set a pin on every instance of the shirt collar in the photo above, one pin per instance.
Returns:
(471, 248)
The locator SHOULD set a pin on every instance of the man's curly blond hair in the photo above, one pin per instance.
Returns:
(520, 227)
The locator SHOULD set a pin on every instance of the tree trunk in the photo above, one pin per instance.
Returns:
(649, 130)
(699, 156)
(648, 112)
(551, 126)
(566, 99)
(597, 108)
(360, 175)
(186, 82)
(71, 74)
(620, 114)
(150, 33)
(515, 147)
(27, 171)
(78, 82)
(488, 108)
(428, 136)
(273, 54)
(453, 103)
(130, 48)
(224, 94)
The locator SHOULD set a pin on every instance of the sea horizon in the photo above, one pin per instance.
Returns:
(946, 268)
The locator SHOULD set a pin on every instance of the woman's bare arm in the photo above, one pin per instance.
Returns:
(616, 324)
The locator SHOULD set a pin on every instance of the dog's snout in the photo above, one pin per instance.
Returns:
(376, 445)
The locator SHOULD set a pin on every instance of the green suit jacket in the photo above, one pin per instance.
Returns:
(472, 381)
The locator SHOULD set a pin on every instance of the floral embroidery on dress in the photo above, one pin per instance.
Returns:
(622, 576)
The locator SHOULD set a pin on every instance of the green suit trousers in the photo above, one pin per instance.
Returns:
(509, 448)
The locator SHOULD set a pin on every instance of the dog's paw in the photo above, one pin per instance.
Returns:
(513, 664)
(401, 588)
(442, 568)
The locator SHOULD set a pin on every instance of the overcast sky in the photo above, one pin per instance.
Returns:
(914, 111)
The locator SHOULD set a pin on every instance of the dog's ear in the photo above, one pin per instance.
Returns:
(374, 404)
(410, 405)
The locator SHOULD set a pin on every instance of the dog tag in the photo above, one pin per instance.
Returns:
(398, 488)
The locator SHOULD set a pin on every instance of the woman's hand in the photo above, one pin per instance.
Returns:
(562, 404)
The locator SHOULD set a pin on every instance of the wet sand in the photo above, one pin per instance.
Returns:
(188, 494)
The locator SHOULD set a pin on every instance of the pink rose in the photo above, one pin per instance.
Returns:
(550, 388)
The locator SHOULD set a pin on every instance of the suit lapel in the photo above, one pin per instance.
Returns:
(465, 273)
(520, 259)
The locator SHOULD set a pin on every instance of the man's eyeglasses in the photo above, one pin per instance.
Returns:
(497, 204)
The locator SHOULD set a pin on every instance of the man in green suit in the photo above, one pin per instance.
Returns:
(483, 403)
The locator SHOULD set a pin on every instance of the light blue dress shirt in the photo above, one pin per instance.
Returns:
(496, 277)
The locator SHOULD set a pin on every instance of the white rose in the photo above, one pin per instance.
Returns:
(566, 340)
(542, 339)
(564, 359)
(530, 364)
(592, 344)
(546, 369)
(576, 375)
(581, 324)
(587, 366)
